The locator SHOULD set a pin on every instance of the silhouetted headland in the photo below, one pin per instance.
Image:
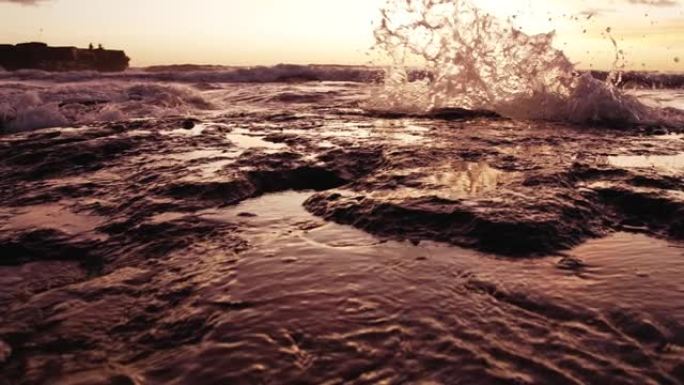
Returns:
(42, 57)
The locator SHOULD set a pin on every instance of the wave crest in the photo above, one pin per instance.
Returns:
(26, 108)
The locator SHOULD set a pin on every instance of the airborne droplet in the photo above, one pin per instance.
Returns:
(528, 70)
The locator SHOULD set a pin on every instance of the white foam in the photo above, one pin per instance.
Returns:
(473, 60)
(50, 105)
(209, 74)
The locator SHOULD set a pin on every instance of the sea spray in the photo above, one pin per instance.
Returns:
(476, 61)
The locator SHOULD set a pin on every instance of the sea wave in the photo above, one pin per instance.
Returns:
(30, 106)
(292, 73)
(282, 73)
(535, 81)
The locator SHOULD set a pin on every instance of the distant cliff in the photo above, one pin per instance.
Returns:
(40, 56)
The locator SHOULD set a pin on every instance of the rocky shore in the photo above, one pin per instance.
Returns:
(39, 56)
(128, 255)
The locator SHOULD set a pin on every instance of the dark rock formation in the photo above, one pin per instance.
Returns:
(123, 260)
(40, 56)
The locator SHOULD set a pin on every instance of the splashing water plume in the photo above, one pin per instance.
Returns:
(469, 59)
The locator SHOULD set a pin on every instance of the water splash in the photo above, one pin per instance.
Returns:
(472, 60)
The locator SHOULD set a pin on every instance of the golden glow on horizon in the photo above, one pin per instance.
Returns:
(250, 32)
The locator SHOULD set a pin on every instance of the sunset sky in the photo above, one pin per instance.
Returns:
(249, 32)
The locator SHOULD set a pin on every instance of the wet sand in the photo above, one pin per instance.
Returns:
(303, 240)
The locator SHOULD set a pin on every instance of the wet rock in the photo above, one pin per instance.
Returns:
(189, 124)
(310, 225)
(266, 178)
(290, 140)
(591, 172)
(50, 158)
(225, 192)
(118, 128)
(290, 171)
(177, 331)
(507, 187)
(301, 178)
(298, 97)
(5, 352)
(659, 182)
(637, 327)
(122, 379)
(4, 124)
(352, 164)
(160, 239)
(95, 378)
(440, 113)
(660, 211)
(678, 371)
(47, 245)
(461, 114)
(571, 263)
(494, 229)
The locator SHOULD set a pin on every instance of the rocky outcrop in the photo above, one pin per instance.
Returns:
(42, 57)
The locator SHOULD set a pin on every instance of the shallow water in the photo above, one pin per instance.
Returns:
(32, 99)
(315, 302)
(620, 268)
(347, 225)
(475, 250)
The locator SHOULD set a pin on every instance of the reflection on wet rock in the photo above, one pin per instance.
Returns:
(288, 242)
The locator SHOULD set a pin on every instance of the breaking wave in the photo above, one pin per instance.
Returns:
(31, 106)
(212, 74)
(475, 61)
(288, 73)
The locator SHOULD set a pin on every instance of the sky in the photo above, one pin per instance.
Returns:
(265, 32)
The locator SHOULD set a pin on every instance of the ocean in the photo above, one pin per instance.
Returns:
(492, 216)
(31, 99)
